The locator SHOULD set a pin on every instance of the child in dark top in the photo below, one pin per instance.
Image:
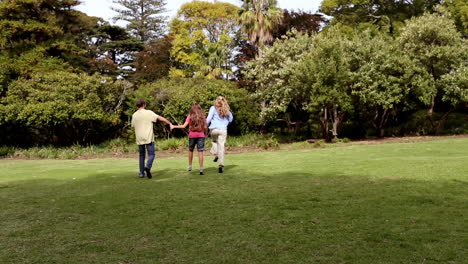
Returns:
(196, 121)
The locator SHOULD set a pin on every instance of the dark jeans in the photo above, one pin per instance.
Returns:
(143, 148)
(199, 142)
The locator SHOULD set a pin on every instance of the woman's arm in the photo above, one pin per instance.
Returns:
(181, 126)
(210, 115)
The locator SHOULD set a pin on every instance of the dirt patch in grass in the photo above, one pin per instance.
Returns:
(161, 154)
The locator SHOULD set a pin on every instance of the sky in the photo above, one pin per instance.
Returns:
(102, 8)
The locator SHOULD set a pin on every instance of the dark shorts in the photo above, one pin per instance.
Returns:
(200, 142)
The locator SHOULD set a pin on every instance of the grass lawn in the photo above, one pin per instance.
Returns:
(386, 203)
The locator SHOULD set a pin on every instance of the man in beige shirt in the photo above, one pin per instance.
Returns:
(142, 121)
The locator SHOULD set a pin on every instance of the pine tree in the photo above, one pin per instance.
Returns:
(144, 17)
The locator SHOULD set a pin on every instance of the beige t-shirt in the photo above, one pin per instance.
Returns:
(142, 121)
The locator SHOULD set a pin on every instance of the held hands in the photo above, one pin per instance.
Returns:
(172, 126)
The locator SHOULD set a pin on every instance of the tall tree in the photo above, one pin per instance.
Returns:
(436, 46)
(41, 36)
(388, 15)
(325, 72)
(203, 42)
(381, 77)
(258, 19)
(459, 11)
(302, 21)
(154, 62)
(52, 25)
(114, 50)
(144, 17)
(284, 99)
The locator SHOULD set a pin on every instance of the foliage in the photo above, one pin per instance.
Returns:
(382, 76)
(272, 76)
(258, 19)
(63, 108)
(173, 99)
(203, 42)
(459, 11)
(144, 17)
(154, 62)
(324, 72)
(113, 51)
(387, 16)
(302, 21)
(455, 86)
(51, 25)
(433, 42)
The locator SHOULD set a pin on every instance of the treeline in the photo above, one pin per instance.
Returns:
(368, 68)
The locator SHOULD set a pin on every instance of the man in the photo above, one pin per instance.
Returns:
(142, 121)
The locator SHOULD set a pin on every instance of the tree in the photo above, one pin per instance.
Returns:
(382, 76)
(282, 96)
(63, 108)
(258, 19)
(301, 21)
(203, 42)
(459, 11)
(144, 18)
(433, 42)
(113, 50)
(324, 71)
(154, 62)
(41, 36)
(385, 15)
(51, 26)
(455, 90)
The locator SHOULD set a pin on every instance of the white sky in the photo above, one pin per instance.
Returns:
(102, 8)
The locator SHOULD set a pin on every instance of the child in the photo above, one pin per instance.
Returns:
(197, 122)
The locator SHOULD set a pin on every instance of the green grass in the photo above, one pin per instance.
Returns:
(387, 203)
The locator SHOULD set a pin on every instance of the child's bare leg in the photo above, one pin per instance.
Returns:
(200, 158)
(190, 158)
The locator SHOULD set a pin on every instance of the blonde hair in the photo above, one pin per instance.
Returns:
(222, 106)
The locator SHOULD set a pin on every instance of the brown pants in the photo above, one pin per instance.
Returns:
(217, 148)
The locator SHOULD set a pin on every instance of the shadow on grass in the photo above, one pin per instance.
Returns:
(179, 217)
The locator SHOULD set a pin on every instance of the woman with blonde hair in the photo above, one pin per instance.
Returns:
(218, 119)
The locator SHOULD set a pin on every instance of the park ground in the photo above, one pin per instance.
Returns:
(404, 201)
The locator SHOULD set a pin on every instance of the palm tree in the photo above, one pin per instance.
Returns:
(258, 18)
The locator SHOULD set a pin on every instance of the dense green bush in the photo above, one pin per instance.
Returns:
(61, 108)
(173, 99)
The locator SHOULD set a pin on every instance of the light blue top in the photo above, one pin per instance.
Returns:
(216, 121)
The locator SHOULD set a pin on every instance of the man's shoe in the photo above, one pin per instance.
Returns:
(189, 168)
(148, 173)
(220, 169)
(141, 176)
(201, 172)
(215, 159)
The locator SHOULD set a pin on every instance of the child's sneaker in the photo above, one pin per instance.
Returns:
(201, 171)
(189, 168)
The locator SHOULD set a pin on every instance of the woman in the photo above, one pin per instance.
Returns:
(218, 119)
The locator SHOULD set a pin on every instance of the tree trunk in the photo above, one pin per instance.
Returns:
(324, 124)
(442, 120)
(430, 113)
(383, 121)
(336, 122)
